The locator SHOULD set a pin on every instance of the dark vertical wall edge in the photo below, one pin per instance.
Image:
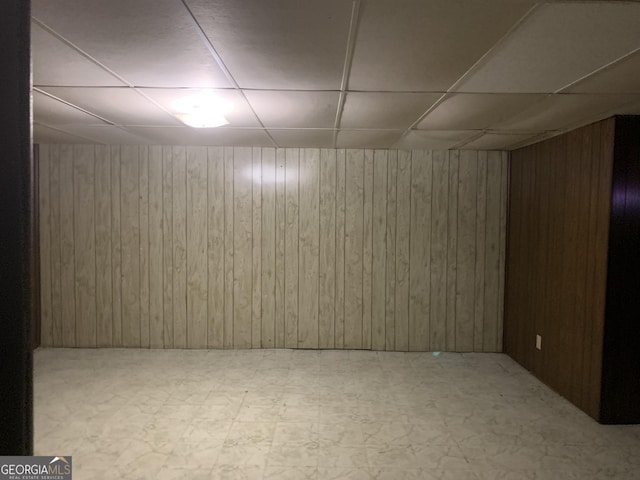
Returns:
(620, 394)
(16, 361)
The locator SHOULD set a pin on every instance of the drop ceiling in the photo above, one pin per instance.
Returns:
(477, 74)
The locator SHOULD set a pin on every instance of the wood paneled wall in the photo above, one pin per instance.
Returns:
(560, 192)
(196, 247)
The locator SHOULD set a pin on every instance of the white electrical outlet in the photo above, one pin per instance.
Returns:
(538, 342)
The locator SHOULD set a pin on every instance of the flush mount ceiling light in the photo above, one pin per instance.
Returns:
(202, 110)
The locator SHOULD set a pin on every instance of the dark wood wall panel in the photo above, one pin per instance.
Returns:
(556, 260)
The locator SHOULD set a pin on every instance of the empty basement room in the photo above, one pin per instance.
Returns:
(332, 239)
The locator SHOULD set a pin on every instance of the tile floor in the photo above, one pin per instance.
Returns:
(283, 414)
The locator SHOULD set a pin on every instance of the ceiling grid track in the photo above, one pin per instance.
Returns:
(225, 70)
(346, 69)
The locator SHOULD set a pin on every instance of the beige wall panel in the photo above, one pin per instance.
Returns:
(242, 244)
(379, 247)
(67, 248)
(280, 238)
(492, 253)
(481, 216)
(452, 250)
(56, 259)
(420, 258)
(256, 248)
(438, 251)
(465, 290)
(84, 244)
(353, 251)
(327, 249)
(309, 235)
(156, 321)
(403, 241)
(197, 247)
(44, 227)
(144, 246)
(291, 247)
(179, 160)
(367, 250)
(390, 298)
(268, 248)
(116, 246)
(228, 246)
(341, 178)
(130, 238)
(104, 295)
(215, 247)
(167, 246)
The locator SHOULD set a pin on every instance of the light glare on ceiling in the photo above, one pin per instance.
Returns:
(202, 110)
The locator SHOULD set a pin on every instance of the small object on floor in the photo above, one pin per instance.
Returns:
(436, 354)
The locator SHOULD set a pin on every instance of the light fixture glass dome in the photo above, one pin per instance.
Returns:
(202, 110)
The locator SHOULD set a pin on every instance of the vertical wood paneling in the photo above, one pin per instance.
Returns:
(268, 248)
(390, 298)
(234, 247)
(197, 247)
(167, 245)
(327, 250)
(44, 220)
(504, 195)
(403, 249)
(228, 247)
(367, 249)
(280, 236)
(179, 189)
(309, 247)
(84, 244)
(156, 320)
(242, 247)
(379, 250)
(256, 248)
(130, 239)
(144, 246)
(438, 252)
(452, 250)
(481, 217)
(67, 248)
(465, 279)
(291, 247)
(341, 177)
(56, 259)
(215, 247)
(420, 259)
(116, 247)
(353, 251)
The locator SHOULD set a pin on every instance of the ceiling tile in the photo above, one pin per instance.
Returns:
(241, 137)
(285, 44)
(385, 110)
(475, 111)
(44, 134)
(107, 134)
(303, 137)
(558, 112)
(622, 77)
(415, 45)
(240, 116)
(294, 109)
(434, 139)
(148, 42)
(123, 106)
(558, 44)
(367, 138)
(498, 141)
(50, 111)
(55, 63)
